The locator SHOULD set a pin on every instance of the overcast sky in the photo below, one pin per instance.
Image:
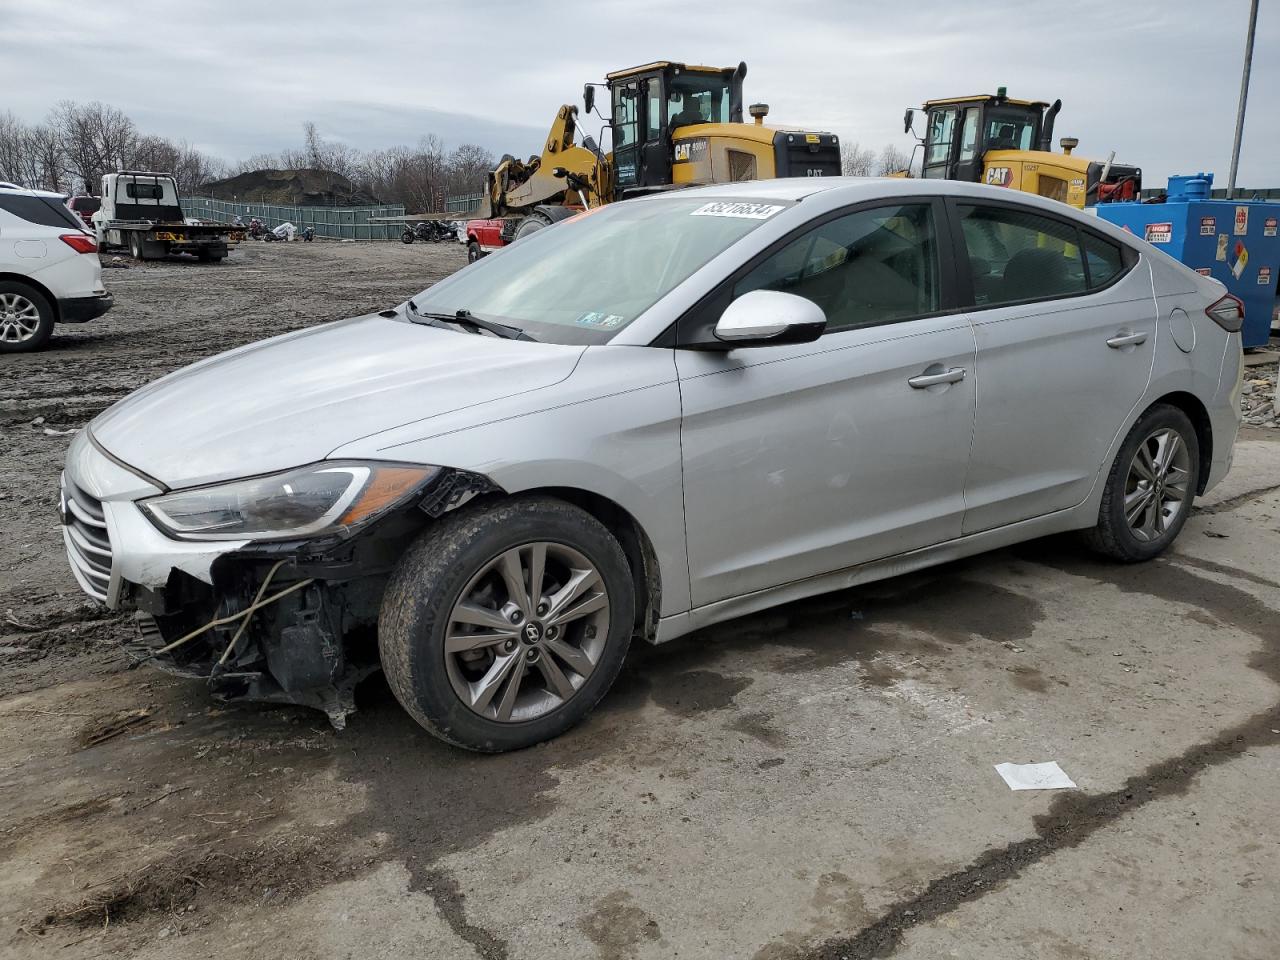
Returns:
(1154, 80)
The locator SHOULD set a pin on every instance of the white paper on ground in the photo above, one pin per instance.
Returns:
(1035, 776)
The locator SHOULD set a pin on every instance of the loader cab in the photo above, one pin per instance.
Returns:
(960, 131)
(651, 101)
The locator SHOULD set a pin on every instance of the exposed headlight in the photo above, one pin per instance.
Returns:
(309, 501)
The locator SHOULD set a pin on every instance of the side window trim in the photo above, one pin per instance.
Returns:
(1129, 257)
(949, 299)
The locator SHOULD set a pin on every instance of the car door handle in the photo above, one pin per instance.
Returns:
(954, 375)
(1126, 340)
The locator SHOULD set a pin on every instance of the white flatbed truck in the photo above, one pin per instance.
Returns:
(141, 211)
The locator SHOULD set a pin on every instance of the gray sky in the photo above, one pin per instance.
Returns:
(1155, 81)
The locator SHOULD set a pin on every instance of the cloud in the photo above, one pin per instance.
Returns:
(1154, 80)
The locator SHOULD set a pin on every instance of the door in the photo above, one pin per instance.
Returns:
(807, 458)
(939, 140)
(1065, 326)
(626, 133)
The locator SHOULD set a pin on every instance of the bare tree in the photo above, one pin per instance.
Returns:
(892, 160)
(856, 161)
(96, 139)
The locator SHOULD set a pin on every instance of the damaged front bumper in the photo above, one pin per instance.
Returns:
(286, 622)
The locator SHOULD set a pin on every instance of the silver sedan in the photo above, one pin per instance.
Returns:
(655, 416)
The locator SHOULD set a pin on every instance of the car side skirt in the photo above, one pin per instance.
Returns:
(1072, 518)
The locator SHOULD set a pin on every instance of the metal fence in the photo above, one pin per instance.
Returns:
(340, 223)
(460, 205)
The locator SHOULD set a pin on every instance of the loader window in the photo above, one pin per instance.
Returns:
(942, 133)
(1013, 130)
(626, 109)
(969, 134)
(698, 99)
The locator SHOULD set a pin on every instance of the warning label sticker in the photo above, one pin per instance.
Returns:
(1208, 226)
(1264, 276)
(1204, 271)
(1269, 227)
(1159, 233)
(746, 211)
(1242, 221)
(1241, 260)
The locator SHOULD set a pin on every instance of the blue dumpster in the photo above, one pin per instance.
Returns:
(1234, 241)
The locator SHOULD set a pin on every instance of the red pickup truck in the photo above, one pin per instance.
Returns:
(486, 236)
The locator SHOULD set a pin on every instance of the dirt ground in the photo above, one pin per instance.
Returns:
(812, 782)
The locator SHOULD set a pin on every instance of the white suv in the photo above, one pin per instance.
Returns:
(49, 269)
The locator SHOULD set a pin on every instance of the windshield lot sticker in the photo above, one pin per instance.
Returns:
(603, 321)
(1221, 256)
(1269, 227)
(744, 211)
(1264, 276)
(1242, 221)
(1159, 233)
(1208, 226)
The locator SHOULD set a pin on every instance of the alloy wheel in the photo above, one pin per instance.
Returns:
(1156, 488)
(526, 632)
(19, 318)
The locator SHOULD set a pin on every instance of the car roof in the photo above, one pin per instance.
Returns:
(28, 192)
(849, 190)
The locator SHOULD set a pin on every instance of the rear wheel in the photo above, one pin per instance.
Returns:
(1149, 488)
(135, 246)
(531, 224)
(407, 237)
(26, 318)
(474, 252)
(503, 626)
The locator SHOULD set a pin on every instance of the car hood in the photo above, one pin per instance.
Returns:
(291, 400)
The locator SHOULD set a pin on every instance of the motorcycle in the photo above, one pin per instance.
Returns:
(430, 231)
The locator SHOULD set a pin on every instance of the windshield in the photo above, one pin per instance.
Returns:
(698, 98)
(586, 279)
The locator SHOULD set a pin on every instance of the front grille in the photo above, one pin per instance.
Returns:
(84, 530)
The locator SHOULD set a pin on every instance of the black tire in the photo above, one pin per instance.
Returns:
(22, 298)
(428, 581)
(407, 237)
(1113, 536)
(135, 246)
(474, 252)
(531, 224)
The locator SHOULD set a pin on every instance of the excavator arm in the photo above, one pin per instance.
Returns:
(516, 187)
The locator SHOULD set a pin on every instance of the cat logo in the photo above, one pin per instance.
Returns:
(999, 176)
(682, 152)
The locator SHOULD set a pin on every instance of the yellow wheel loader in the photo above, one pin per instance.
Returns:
(1008, 143)
(672, 125)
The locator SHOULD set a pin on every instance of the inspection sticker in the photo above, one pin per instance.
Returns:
(1159, 233)
(1242, 221)
(1264, 276)
(1269, 227)
(605, 321)
(744, 211)
(1208, 226)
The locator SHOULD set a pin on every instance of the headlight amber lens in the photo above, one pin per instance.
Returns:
(322, 498)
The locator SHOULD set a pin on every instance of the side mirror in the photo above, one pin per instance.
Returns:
(588, 97)
(908, 119)
(764, 317)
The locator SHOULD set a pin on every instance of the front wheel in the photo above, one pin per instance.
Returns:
(474, 252)
(504, 625)
(1149, 488)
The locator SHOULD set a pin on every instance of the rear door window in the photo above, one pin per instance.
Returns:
(1016, 256)
(46, 211)
(1104, 259)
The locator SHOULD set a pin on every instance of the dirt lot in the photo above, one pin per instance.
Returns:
(811, 782)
